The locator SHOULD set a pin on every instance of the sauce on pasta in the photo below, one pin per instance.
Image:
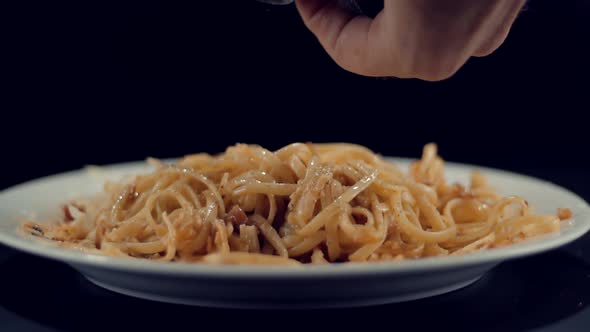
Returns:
(305, 203)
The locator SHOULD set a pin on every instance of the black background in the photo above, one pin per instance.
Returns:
(103, 82)
(97, 82)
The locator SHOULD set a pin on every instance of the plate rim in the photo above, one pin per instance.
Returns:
(131, 265)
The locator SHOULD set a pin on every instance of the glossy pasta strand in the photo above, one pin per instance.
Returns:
(305, 203)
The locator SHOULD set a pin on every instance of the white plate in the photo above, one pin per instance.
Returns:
(341, 285)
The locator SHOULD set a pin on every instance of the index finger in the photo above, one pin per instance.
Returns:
(348, 38)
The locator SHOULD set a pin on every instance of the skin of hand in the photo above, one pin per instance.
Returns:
(424, 39)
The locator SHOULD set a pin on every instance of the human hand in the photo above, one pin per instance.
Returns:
(424, 39)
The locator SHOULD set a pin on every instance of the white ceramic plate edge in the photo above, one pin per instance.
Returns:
(582, 225)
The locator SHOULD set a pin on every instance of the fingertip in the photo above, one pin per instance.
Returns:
(341, 33)
(307, 8)
(491, 46)
(495, 41)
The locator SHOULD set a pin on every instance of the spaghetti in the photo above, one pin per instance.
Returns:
(305, 203)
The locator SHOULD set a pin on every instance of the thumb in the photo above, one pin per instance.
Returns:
(345, 36)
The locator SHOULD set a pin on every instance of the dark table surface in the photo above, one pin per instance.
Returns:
(546, 292)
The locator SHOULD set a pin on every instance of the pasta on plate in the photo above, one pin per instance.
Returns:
(305, 203)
